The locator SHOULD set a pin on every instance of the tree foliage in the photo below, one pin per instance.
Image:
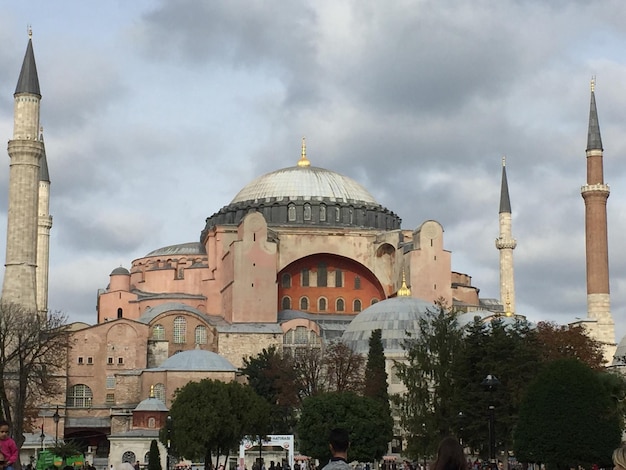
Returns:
(342, 368)
(567, 418)
(211, 417)
(427, 411)
(154, 456)
(272, 377)
(563, 341)
(361, 416)
(33, 349)
(375, 374)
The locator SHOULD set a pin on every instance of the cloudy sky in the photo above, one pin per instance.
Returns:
(156, 113)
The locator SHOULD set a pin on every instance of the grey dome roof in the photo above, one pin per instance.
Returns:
(304, 182)
(393, 316)
(151, 404)
(191, 248)
(197, 360)
(120, 270)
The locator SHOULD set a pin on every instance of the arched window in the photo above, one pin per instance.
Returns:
(119, 312)
(321, 304)
(322, 213)
(341, 305)
(201, 336)
(151, 422)
(286, 303)
(79, 396)
(158, 332)
(129, 457)
(146, 458)
(357, 282)
(322, 275)
(304, 303)
(357, 305)
(307, 211)
(159, 392)
(291, 213)
(286, 280)
(180, 330)
(374, 301)
(296, 341)
(337, 214)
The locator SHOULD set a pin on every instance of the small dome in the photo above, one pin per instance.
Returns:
(120, 270)
(395, 317)
(197, 360)
(151, 404)
(304, 182)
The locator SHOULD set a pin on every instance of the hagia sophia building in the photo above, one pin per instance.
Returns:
(299, 257)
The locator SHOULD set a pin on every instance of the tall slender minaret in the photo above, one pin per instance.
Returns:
(595, 194)
(44, 224)
(25, 150)
(505, 244)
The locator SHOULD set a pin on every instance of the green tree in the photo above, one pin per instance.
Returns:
(567, 418)
(154, 456)
(342, 368)
(427, 411)
(272, 377)
(360, 415)
(376, 387)
(210, 417)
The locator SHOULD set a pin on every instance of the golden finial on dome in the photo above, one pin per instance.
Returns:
(151, 391)
(404, 291)
(593, 84)
(303, 160)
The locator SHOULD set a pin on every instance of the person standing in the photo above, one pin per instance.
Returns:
(450, 455)
(339, 442)
(7, 446)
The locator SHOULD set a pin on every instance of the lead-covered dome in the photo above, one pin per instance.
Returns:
(397, 317)
(304, 195)
(305, 182)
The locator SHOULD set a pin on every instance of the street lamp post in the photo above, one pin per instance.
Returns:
(56, 417)
(169, 439)
(490, 383)
(42, 436)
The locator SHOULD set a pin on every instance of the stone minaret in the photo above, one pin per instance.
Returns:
(44, 224)
(595, 194)
(25, 151)
(505, 244)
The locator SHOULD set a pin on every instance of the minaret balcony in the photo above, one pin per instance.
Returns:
(504, 243)
(595, 188)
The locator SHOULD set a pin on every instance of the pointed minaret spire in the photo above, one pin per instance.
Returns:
(505, 244)
(28, 81)
(595, 194)
(44, 224)
(594, 140)
(303, 160)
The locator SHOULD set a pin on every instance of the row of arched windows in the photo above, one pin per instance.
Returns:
(322, 278)
(322, 304)
(180, 332)
(81, 395)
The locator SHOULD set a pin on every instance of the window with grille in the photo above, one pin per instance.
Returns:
(286, 303)
(307, 211)
(286, 280)
(110, 383)
(322, 275)
(304, 303)
(291, 213)
(180, 330)
(158, 332)
(321, 304)
(129, 457)
(357, 282)
(300, 339)
(110, 399)
(201, 334)
(341, 305)
(90, 360)
(357, 305)
(79, 396)
(338, 278)
(322, 213)
(304, 276)
(80, 360)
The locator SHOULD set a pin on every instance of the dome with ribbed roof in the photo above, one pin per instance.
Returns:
(395, 317)
(305, 182)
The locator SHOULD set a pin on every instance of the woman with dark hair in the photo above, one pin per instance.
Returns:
(450, 455)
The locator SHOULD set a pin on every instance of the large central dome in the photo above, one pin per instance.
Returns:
(304, 195)
(305, 182)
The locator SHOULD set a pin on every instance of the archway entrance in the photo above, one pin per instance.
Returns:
(272, 442)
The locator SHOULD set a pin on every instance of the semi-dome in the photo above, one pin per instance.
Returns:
(197, 360)
(190, 248)
(395, 317)
(305, 182)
